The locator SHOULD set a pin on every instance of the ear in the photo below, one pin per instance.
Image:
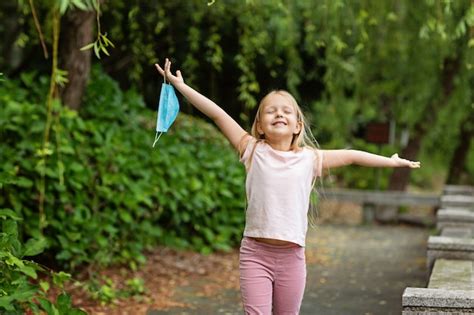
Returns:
(259, 129)
(299, 127)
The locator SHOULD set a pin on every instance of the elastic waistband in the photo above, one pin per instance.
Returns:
(269, 247)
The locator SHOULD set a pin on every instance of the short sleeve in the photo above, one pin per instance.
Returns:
(247, 150)
(318, 163)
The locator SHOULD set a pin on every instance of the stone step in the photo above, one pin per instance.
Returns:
(452, 275)
(450, 291)
(458, 190)
(455, 214)
(449, 248)
(457, 232)
(455, 218)
(424, 301)
(457, 201)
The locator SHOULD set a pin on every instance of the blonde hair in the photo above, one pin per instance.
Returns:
(301, 140)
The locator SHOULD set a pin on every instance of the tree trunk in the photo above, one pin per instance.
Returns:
(76, 32)
(458, 161)
(401, 176)
(11, 55)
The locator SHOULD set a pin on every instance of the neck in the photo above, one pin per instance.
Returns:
(280, 144)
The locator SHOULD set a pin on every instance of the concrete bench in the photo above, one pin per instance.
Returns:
(452, 275)
(450, 290)
(458, 190)
(449, 248)
(457, 201)
(454, 218)
(457, 232)
(425, 301)
(450, 258)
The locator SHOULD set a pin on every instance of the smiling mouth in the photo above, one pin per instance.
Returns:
(279, 123)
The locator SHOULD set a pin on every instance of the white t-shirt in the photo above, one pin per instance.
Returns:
(278, 187)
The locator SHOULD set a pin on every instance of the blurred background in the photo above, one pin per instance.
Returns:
(83, 189)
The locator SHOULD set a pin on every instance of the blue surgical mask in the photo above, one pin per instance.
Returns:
(168, 109)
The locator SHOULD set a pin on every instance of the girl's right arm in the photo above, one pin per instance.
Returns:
(229, 127)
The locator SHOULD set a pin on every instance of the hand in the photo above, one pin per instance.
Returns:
(166, 73)
(404, 163)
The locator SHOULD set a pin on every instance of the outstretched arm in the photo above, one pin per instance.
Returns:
(338, 158)
(229, 127)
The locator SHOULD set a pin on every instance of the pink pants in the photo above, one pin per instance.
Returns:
(271, 277)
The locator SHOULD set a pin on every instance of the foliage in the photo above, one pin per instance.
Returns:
(19, 287)
(109, 195)
(105, 290)
(386, 61)
(347, 62)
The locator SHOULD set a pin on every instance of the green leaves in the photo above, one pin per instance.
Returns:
(17, 293)
(100, 45)
(84, 5)
(63, 306)
(60, 77)
(9, 214)
(34, 247)
(110, 195)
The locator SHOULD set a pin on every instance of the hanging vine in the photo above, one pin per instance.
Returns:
(58, 77)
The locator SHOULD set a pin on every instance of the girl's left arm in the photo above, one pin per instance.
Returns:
(338, 158)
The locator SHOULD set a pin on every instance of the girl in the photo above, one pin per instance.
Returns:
(281, 165)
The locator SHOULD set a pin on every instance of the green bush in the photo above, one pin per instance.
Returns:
(19, 287)
(109, 195)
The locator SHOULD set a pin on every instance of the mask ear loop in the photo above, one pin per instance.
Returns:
(157, 137)
(158, 134)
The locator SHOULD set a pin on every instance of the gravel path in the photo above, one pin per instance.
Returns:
(351, 270)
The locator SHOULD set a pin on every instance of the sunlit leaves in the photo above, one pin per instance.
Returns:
(64, 5)
(60, 77)
(100, 45)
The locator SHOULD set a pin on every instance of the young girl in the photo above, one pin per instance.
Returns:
(281, 165)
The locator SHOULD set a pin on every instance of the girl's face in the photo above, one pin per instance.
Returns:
(278, 118)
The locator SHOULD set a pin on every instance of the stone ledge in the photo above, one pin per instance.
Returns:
(453, 248)
(438, 299)
(457, 201)
(450, 243)
(433, 311)
(452, 275)
(458, 190)
(457, 231)
(455, 214)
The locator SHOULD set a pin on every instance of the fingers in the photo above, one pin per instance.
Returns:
(412, 164)
(161, 71)
(166, 71)
(405, 162)
(167, 66)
